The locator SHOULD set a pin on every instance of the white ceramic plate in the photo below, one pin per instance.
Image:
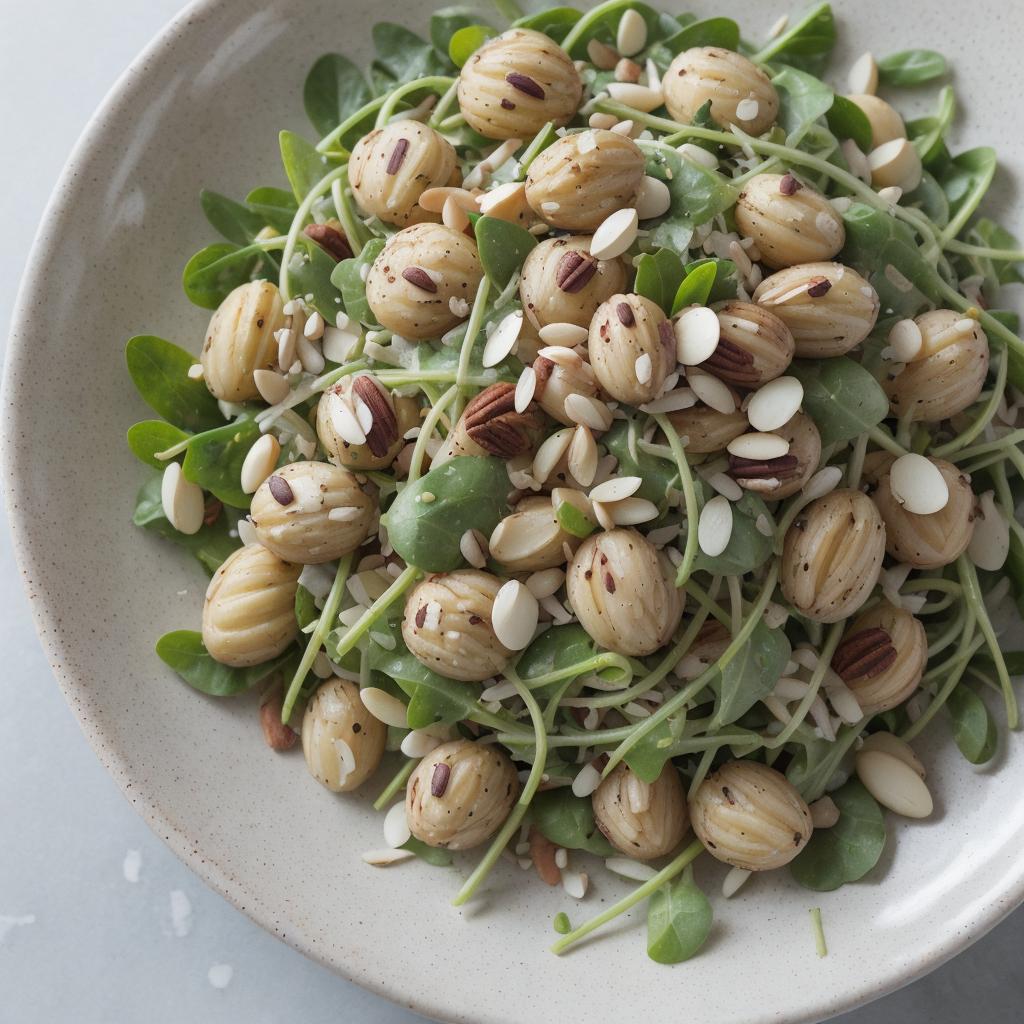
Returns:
(202, 107)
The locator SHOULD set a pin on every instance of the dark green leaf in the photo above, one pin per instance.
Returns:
(726, 282)
(974, 728)
(803, 99)
(216, 271)
(721, 32)
(431, 854)
(184, 651)
(751, 675)
(848, 121)
(503, 246)
(467, 494)
(658, 475)
(159, 371)
(303, 163)
(695, 288)
(554, 22)
(604, 27)
(334, 89)
(151, 436)
(403, 55)
(305, 607)
(911, 67)
(967, 178)
(448, 22)
(748, 548)
(311, 274)
(237, 223)
(930, 199)
(848, 850)
(928, 133)
(556, 649)
(276, 206)
(347, 277)
(842, 398)
(658, 277)
(211, 545)
(806, 44)
(679, 919)
(214, 460)
(568, 821)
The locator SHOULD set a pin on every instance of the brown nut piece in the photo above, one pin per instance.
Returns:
(926, 541)
(562, 283)
(829, 308)
(249, 611)
(623, 592)
(447, 625)
(779, 478)
(582, 178)
(514, 84)
(788, 227)
(948, 373)
(460, 794)
(418, 284)
(832, 556)
(641, 819)
(740, 93)
(391, 167)
(750, 816)
(240, 340)
(531, 538)
(292, 513)
(754, 347)
(490, 425)
(342, 742)
(882, 657)
(632, 348)
(339, 428)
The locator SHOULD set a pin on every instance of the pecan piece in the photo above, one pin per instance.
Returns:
(782, 468)
(542, 853)
(383, 432)
(732, 363)
(277, 735)
(492, 422)
(864, 655)
(331, 240)
(574, 270)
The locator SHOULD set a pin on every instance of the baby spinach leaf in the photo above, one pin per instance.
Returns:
(987, 233)
(214, 460)
(848, 850)
(334, 89)
(751, 675)
(216, 271)
(151, 436)
(236, 222)
(347, 277)
(842, 398)
(431, 854)
(930, 198)
(848, 121)
(658, 475)
(433, 698)
(554, 22)
(466, 493)
(658, 277)
(276, 206)
(911, 67)
(974, 728)
(875, 240)
(679, 918)
(403, 55)
(447, 22)
(303, 163)
(159, 371)
(305, 607)
(803, 99)
(555, 649)
(602, 22)
(722, 32)
(466, 41)
(748, 548)
(807, 43)
(697, 195)
(184, 651)
(695, 288)
(927, 133)
(726, 283)
(445, 357)
(568, 821)
(211, 545)
(312, 275)
(503, 246)
(967, 178)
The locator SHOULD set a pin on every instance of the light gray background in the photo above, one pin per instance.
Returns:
(80, 941)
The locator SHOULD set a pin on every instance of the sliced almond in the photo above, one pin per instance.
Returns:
(894, 784)
(182, 500)
(260, 461)
(758, 446)
(514, 615)
(697, 334)
(639, 97)
(273, 387)
(774, 404)
(614, 235)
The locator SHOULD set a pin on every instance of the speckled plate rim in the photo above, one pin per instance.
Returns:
(45, 613)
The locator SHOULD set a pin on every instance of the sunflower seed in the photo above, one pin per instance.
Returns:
(890, 744)
(575, 883)
(712, 391)
(990, 543)
(273, 388)
(631, 36)
(471, 544)
(343, 419)
(588, 411)
(503, 339)
(588, 779)
(583, 456)
(653, 198)
(384, 858)
(632, 511)
(514, 615)
(747, 109)
(906, 340)
(673, 401)
(551, 452)
(419, 743)
(396, 828)
(639, 97)
(616, 489)
(734, 881)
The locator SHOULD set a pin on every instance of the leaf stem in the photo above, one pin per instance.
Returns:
(350, 122)
(430, 421)
(322, 186)
(435, 83)
(362, 625)
(399, 780)
(666, 874)
(689, 497)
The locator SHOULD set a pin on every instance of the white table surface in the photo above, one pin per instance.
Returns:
(80, 940)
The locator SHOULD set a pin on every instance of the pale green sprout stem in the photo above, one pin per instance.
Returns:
(476, 319)
(689, 497)
(327, 142)
(435, 83)
(437, 115)
(316, 638)
(984, 417)
(482, 869)
(355, 231)
(819, 931)
(430, 421)
(362, 625)
(301, 215)
(400, 779)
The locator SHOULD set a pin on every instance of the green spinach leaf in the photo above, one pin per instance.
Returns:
(334, 89)
(235, 221)
(557, 648)
(842, 398)
(303, 163)
(659, 276)
(503, 247)
(568, 821)
(151, 436)
(848, 121)
(974, 728)
(159, 371)
(554, 22)
(679, 918)
(803, 100)
(967, 178)
(214, 460)
(751, 675)
(721, 32)
(347, 277)
(276, 206)
(696, 287)
(312, 276)
(748, 548)
(216, 271)
(806, 44)
(848, 850)
(911, 67)
(184, 651)
(658, 475)
(306, 610)
(403, 55)
(431, 854)
(466, 41)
